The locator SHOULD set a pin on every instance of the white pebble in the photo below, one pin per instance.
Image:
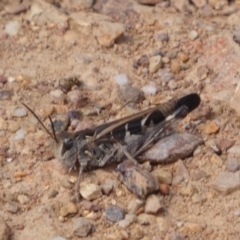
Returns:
(9, 160)
(56, 93)
(23, 199)
(180, 224)
(11, 79)
(20, 112)
(124, 223)
(59, 238)
(20, 134)
(35, 10)
(236, 213)
(149, 89)
(121, 79)
(12, 28)
(193, 35)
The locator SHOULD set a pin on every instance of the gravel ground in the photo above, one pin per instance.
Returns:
(63, 56)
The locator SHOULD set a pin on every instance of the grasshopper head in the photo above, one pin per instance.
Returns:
(66, 150)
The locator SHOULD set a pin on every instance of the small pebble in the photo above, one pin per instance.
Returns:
(142, 61)
(148, 2)
(175, 66)
(163, 223)
(11, 79)
(216, 160)
(59, 238)
(74, 123)
(199, 3)
(90, 191)
(76, 98)
(146, 219)
(114, 213)
(226, 182)
(165, 60)
(20, 174)
(13, 126)
(162, 36)
(189, 190)
(167, 77)
(35, 11)
(69, 208)
(136, 233)
(236, 213)
(137, 179)
(90, 206)
(155, 62)
(149, 90)
(172, 54)
(192, 227)
(218, 5)
(236, 37)
(224, 144)
(23, 199)
(108, 186)
(20, 112)
(193, 35)
(235, 149)
(134, 205)
(122, 79)
(56, 93)
(12, 28)
(164, 4)
(153, 205)
(53, 193)
(199, 175)
(3, 79)
(164, 189)
(172, 84)
(129, 219)
(183, 57)
(12, 207)
(108, 32)
(20, 134)
(9, 160)
(179, 224)
(173, 147)
(212, 127)
(198, 198)
(126, 92)
(124, 223)
(66, 183)
(17, 7)
(162, 176)
(200, 112)
(232, 165)
(82, 227)
(181, 173)
(6, 94)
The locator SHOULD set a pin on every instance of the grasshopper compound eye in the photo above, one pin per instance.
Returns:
(67, 145)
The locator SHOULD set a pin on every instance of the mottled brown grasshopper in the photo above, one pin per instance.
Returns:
(124, 138)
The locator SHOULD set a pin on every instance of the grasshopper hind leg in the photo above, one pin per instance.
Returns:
(79, 179)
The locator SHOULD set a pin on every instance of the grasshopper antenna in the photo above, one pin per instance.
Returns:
(53, 130)
(53, 134)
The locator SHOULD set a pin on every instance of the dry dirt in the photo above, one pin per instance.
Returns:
(54, 40)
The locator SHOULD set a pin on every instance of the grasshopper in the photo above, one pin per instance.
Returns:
(116, 140)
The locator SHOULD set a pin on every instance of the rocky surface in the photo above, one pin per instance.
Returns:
(86, 59)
